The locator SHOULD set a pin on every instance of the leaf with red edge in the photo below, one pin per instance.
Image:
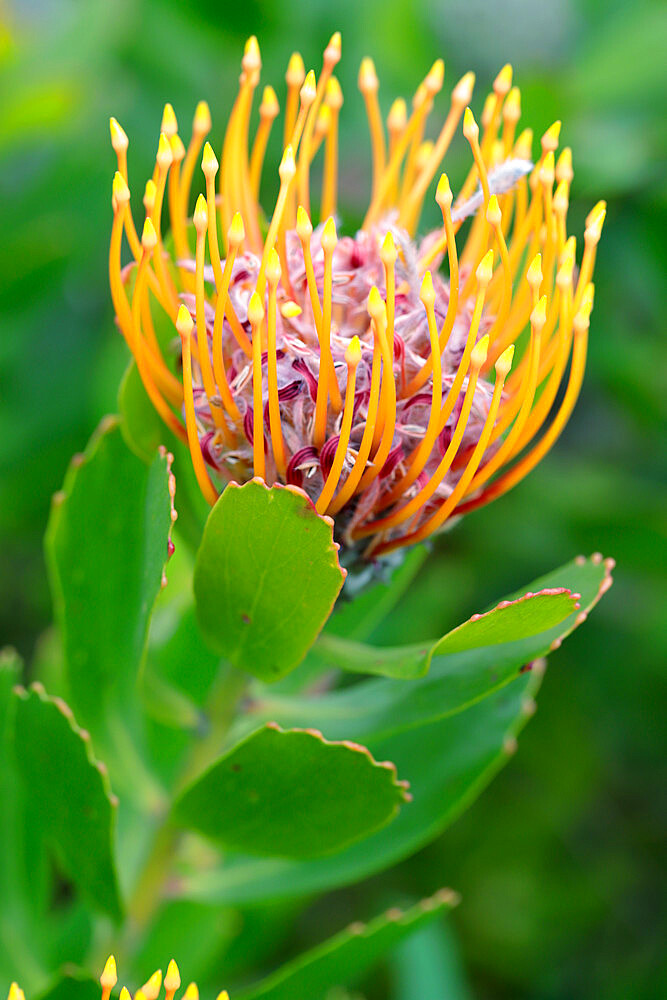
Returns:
(292, 794)
(266, 578)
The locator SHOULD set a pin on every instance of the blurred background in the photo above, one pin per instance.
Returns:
(558, 863)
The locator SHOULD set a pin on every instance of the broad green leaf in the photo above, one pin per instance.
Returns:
(106, 548)
(291, 793)
(458, 676)
(447, 751)
(69, 792)
(266, 577)
(449, 762)
(509, 622)
(344, 958)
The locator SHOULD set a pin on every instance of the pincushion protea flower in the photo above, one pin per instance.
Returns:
(351, 367)
(149, 991)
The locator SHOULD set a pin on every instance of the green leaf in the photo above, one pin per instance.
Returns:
(24, 944)
(344, 958)
(458, 676)
(106, 548)
(266, 577)
(291, 794)
(448, 747)
(69, 791)
(510, 622)
(141, 425)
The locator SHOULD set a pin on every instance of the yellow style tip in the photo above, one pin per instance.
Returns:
(201, 123)
(593, 230)
(109, 976)
(269, 108)
(332, 52)
(376, 307)
(493, 213)
(534, 273)
(504, 362)
(462, 93)
(548, 169)
(120, 190)
(185, 326)
(334, 94)
(172, 980)
(191, 993)
(287, 168)
(427, 291)
(209, 161)
(503, 81)
(484, 270)
(119, 139)
(564, 171)
(304, 227)
(479, 352)
(367, 81)
(255, 309)
(551, 137)
(512, 106)
(177, 148)
(150, 194)
(435, 78)
(538, 316)
(252, 59)
(223, 996)
(470, 126)
(273, 268)
(443, 192)
(200, 217)
(487, 110)
(125, 994)
(290, 310)
(151, 988)
(598, 208)
(308, 89)
(561, 199)
(398, 115)
(296, 71)
(329, 235)
(14, 992)
(236, 231)
(523, 148)
(388, 251)
(353, 353)
(169, 123)
(164, 153)
(149, 236)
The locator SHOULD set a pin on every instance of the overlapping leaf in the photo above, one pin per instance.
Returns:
(448, 746)
(266, 577)
(106, 547)
(344, 958)
(292, 794)
(69, 794)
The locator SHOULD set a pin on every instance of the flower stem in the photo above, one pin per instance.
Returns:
(154, 876)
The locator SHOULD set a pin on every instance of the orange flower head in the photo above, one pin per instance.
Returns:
(399, 381)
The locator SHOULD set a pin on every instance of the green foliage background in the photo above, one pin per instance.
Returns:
(558, 861)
